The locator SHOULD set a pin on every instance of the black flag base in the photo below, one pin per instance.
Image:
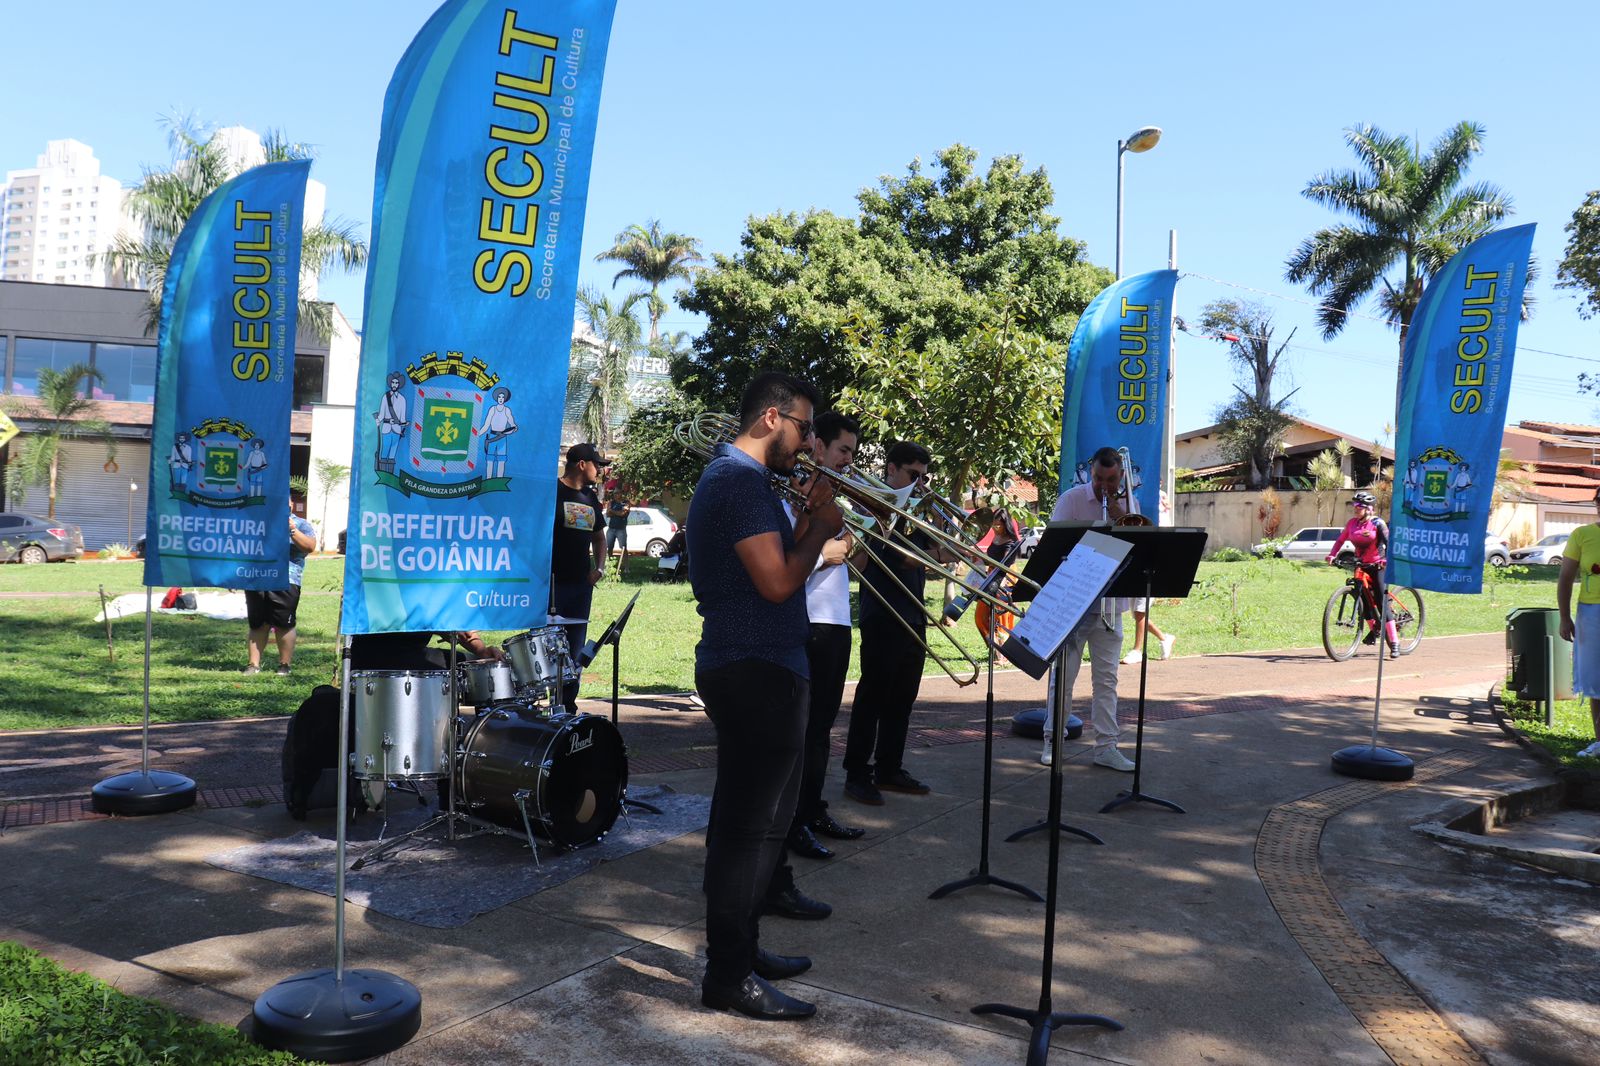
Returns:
(141, 792)
(1044, 1024)
(315, 1016)
(1372, 763)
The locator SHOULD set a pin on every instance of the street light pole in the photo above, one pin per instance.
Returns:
(1140, 140)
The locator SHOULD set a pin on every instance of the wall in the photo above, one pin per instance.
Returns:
(1230, 517)
(333, 439)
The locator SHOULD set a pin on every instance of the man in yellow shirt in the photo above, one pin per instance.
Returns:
(1581, 563)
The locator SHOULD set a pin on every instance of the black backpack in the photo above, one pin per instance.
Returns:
(310, 769)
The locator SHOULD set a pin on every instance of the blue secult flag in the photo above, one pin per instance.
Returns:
(482, 178)
(1116, 389)
(219, 440)
(1453, 390)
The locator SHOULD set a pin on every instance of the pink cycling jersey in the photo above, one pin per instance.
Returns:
(1362, 533)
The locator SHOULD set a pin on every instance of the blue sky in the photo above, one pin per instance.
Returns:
(714, 111)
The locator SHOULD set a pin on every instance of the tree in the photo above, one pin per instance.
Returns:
(1410, 211)
(951, 401)
(655, 258)
(651, 459)
(1580, 266)
(330, 475)
(599, 374)
(61, 412)
(1254, 423)
(1327, 474)
(164, 200)
(927, 261)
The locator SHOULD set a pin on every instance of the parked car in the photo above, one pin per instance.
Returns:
(1496, 552)
(649, 530)
(1312, 542)
(1545, 553)
(26, 538)
(1029, 540)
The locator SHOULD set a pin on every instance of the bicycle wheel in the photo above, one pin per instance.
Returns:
(1341, 624)
(1405, 607)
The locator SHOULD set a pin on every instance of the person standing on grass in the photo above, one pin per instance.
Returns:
(617, 511)
(276, 610)
(1580, 564)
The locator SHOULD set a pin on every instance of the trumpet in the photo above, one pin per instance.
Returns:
(1125, 493)
(883, 519)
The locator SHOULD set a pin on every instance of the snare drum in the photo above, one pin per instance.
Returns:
(565, 773)
(404, 724)
(540, 661)
(486, 681)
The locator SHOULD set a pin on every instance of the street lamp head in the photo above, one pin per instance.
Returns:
(1142, 139)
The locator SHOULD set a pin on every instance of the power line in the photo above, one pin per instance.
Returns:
(1357, 314)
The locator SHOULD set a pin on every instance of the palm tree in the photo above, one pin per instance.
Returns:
(598, 372)
(330, 475)
(654, 258)
(163, 201)
(1410, 211)
(61, 412)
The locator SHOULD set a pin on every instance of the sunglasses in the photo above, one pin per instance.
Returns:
(804, 425)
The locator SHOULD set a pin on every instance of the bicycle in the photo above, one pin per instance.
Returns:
(1351, 608)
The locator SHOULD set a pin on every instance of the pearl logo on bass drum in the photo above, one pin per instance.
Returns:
(580, 743)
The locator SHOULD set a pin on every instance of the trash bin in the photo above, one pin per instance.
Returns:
(1526, 630)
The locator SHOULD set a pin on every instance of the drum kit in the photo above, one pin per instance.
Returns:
(519, 762)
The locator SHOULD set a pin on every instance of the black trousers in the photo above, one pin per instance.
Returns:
(572, 599)
(759, 711)
(880, 715)
(829, 653)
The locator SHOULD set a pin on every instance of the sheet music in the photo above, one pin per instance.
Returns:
(1072, 590)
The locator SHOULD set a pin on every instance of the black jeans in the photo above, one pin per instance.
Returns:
(829, 653)
(759, 710)
(572, 599)
(880, 715)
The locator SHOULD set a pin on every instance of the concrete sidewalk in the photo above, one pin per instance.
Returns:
(1290, 916)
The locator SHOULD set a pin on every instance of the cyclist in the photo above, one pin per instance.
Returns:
(1369, 535)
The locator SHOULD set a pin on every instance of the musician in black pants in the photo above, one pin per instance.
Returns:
(893, 651)
(748, 566)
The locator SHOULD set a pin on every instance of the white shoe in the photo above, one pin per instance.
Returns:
(696, 701)
(1044, 756)
(1112, 759)
(1591, 752)
(1166, 645)
(1133, 658)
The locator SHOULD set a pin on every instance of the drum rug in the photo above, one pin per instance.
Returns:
(433, 882)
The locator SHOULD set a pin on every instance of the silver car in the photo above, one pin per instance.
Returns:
(1547, 552)
(1312, 542)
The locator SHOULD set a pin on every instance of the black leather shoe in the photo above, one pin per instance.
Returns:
(772, 967)
(825, 825)
(793, 903)
(755, 998)
(803, 844)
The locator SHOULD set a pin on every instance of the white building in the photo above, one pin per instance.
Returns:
(56, 215)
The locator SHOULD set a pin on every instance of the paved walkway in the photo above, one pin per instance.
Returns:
(1290, 916)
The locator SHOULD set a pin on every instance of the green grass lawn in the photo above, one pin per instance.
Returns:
(1570, 729)
(51, 1015)
(54, 670)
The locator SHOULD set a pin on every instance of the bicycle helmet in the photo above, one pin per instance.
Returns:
(1366, 499)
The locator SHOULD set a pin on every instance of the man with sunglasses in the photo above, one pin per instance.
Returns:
(748, 566)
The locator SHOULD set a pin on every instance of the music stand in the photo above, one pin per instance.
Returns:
(982, 876)
(1163, 563)
(1034, 661)
(587, 654)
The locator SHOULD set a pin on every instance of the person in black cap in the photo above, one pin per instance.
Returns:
(578, 553)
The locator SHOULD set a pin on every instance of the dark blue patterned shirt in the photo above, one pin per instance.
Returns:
(733, 501)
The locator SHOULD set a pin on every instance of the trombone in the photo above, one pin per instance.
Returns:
(873, 510)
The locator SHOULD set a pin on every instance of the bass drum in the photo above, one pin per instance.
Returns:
(566, 772)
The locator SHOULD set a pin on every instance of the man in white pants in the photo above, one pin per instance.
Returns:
(1101, 628)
